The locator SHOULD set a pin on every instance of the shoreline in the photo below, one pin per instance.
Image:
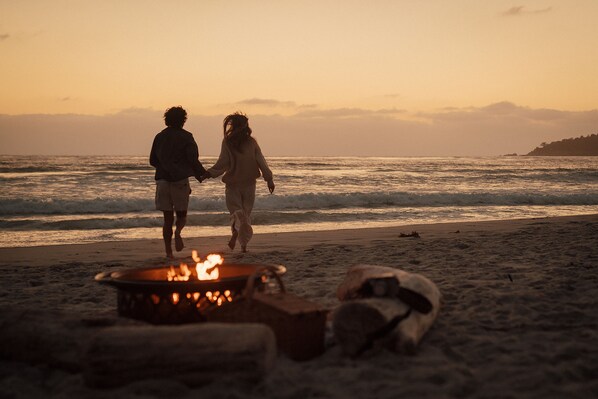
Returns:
(263, 241)
(519, 314)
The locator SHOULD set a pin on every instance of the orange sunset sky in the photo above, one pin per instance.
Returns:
(376, 78)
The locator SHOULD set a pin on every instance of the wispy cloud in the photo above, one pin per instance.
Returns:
(347, 112)
(20, 36)
(521, 10)
(508, 112)
(137, 111)
(267, 102)
(307, 106)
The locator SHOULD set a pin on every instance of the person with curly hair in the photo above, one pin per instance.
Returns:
(242, 163)
(175, 156)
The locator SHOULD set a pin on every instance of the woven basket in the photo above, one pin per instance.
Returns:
(298, 324)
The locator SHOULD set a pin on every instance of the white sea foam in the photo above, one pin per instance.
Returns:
(308, 201)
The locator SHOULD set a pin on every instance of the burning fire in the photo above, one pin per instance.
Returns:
(211, 263)
(208, 270)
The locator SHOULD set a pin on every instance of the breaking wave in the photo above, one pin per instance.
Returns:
(308, 201)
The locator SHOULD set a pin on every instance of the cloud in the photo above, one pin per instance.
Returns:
(513, 11)
(20, 36)
(493, 129)
(500, 107)
(504, 127)
(127, 132)
(266, 102)
(67, 98)
(506, 110)
(307, 106)
(347, 113)
(520, 10)
(137, 111)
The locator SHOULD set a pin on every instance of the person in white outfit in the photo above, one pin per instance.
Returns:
(242, 163)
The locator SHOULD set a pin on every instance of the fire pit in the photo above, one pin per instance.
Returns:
(176, 295)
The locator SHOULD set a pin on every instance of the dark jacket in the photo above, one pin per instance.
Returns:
(175, 155)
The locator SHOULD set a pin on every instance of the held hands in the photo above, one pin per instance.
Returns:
(271, 186)
(203, 177)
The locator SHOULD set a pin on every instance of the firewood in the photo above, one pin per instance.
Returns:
(194, 354)
(360, 322)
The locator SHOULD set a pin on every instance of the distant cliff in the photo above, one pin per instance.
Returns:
(580, 146)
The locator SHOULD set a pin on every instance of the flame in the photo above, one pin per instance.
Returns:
(182, 275)
(206, 270)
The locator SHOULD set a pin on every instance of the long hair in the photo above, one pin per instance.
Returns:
(236, 129)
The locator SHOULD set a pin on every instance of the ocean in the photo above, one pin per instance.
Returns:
(48, 200)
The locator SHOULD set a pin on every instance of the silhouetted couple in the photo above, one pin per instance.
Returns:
(175, 156)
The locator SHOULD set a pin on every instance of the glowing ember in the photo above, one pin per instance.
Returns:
(206, 270)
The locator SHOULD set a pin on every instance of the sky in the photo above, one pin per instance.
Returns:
(336, 78)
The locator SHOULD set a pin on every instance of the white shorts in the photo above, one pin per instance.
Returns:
(172, 195)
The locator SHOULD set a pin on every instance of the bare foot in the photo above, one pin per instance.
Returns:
(178, 242)
(243, 248)
(233, 240)
(168, 249)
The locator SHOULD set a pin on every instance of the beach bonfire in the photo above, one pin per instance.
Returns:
(184, 293)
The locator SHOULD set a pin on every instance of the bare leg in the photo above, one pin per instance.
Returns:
(181, 220)
(167, 232)
(233, 239)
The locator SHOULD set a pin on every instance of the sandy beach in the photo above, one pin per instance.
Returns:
(519, 315)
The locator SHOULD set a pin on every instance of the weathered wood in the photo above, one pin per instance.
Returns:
(358, 319)
(194, 354)
(46, 336)
(360, 324)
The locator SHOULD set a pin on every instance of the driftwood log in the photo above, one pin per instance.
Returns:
(194, 354)
(364, 320)
(49, 336)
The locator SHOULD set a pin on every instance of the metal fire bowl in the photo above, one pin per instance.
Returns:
(146, 294)
(154, 280)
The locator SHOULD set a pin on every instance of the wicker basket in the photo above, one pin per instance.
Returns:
(298, 324)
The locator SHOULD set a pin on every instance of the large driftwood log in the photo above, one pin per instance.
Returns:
(47, 336)
(194, 354)
(360, 322)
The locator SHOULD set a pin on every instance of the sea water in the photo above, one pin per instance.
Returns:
(64, 200)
